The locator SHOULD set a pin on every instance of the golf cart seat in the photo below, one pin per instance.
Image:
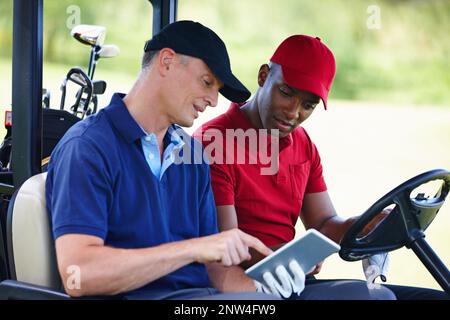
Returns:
(33, 272)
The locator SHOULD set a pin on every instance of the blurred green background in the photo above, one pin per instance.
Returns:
(389, 108)
(405, 61)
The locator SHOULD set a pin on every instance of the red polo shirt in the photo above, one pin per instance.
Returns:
(267, 206)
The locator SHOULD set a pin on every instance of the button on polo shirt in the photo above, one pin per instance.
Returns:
(99, 183)
(267, 206)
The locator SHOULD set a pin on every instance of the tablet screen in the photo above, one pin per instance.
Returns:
(310, 249)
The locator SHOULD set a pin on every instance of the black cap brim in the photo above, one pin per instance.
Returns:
(232, 88)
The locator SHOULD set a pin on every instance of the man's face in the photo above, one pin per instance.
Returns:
(281, 106)
(192, 88)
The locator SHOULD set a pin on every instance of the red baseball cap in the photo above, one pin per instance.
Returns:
(307, 64)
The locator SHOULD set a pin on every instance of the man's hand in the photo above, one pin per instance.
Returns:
(316, 269)
(284, 284)
(374, 222)
(227, 248)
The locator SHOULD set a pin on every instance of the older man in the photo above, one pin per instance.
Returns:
(125, 217)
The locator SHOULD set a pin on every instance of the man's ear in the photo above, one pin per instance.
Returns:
(263, 74)
(165, 60)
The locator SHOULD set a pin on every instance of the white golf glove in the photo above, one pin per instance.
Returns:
(376, 266)
(286, 284)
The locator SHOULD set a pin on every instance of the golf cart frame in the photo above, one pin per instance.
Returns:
(27, 67)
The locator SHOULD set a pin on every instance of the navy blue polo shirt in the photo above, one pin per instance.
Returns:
(99, 183)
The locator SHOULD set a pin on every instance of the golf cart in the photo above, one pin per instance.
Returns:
(27, 256)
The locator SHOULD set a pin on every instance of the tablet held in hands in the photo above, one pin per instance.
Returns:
(308, 250)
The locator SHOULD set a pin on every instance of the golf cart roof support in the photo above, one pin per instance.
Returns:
(27, 89)
(164, 13)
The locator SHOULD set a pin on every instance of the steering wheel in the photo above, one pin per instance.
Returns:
(403, 226)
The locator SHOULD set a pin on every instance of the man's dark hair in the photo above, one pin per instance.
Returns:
(148, 57)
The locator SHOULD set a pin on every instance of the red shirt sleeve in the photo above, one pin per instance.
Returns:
(222, 181)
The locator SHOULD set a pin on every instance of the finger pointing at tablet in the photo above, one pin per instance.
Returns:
(256, 244)
(228, 248)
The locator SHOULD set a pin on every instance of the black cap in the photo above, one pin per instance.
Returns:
(194, 39)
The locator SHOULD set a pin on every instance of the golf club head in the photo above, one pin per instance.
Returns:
(78, 76)
(109, 51)
(89, 34)
(78, 79)
(99, 86)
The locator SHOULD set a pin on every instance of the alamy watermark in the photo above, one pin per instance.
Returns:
(73, 281)
(373, 21)
(74, 17)
(372, 272)
(235, 146)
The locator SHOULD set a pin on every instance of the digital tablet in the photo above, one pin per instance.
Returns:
(310, 249)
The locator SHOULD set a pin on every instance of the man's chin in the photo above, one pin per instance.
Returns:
(278, 133)
(185, 123)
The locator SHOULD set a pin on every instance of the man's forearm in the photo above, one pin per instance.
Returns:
(107, 271)
(336, 227)
(229, 279)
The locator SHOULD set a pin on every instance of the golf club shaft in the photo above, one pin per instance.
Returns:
(91, 61)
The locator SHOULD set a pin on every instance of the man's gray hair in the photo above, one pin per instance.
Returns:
(149, 56)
